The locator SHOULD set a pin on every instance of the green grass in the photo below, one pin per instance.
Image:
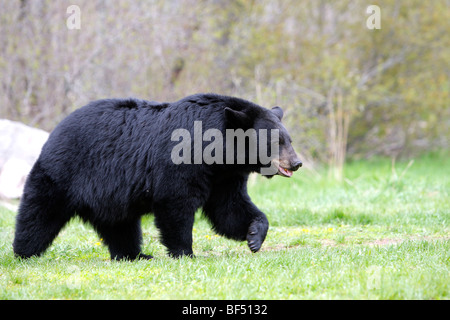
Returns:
(383, 233)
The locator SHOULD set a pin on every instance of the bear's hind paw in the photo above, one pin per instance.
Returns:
(144, 256)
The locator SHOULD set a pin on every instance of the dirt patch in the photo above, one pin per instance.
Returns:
(373, 243)
(384, 242)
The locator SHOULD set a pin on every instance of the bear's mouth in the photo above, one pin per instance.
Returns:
(281, 171)
(284, 172)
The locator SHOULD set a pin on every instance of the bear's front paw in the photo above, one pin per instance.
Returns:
(179, 253)
(256, 234)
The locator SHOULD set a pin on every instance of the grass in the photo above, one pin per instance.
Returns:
(383, 233)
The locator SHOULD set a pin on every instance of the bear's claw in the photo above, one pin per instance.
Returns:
(256, 234)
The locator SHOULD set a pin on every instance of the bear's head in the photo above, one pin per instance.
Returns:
(272, 149)
(287, 160)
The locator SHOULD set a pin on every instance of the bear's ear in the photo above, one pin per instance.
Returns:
(278, 112)
(237, 118)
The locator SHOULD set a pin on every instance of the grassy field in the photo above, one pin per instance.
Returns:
(383, 233)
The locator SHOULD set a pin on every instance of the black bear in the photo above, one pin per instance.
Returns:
(114, 160)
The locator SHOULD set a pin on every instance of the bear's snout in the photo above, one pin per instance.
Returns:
(295, 165)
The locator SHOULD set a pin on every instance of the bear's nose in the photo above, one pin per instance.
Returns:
(297, 164)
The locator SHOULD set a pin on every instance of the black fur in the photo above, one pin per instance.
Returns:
(109, 163)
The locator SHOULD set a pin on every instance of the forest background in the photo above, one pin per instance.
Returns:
(349, 90)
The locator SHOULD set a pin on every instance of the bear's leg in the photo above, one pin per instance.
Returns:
(175, 224)
(123, 239)
(36, 228)
(42, 214)
(234, 215)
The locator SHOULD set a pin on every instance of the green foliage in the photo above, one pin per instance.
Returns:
(383, 233)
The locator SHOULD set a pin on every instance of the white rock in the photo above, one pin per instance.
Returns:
(12, 177)
(20, 147)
